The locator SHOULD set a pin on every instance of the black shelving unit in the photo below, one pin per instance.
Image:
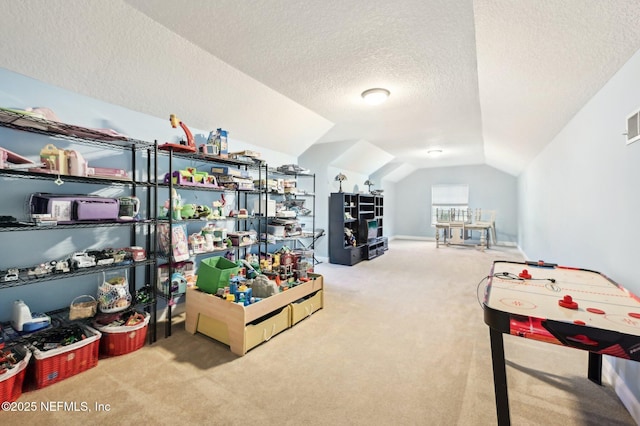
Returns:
(309, 234)
(343, 218)
(142, 232)
(352, 214)
(242, 201)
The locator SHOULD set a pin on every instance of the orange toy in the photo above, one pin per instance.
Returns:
(179, 147)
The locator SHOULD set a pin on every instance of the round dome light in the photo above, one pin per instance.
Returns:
(375, 96)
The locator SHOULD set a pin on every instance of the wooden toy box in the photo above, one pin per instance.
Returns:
(245, 327)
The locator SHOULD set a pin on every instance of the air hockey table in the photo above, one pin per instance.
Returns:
(566, 306)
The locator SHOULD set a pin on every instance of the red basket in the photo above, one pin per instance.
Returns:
(123, 339)
(11, 381)
(58, 364)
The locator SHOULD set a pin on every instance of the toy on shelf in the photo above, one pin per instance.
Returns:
(209, 149)
(191, 177)
(190, 145)
(218, 206)
(240, 214)
(129, 208)
(204, 212)
(246, 155)
(113, 294)
(175, 284)
(197, 242)
(219, 140)
(11, 160)
(349, 238)
(70, 162)
(24, 321)
(179, 247)
(172, 206)
(55, 159)
(188, 211)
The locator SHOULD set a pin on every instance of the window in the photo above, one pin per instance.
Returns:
(447, 197)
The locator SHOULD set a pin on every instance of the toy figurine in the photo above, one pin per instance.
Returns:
(203, 212)
(218, 207)
(178, 283)
(174, 204)
(188, 211)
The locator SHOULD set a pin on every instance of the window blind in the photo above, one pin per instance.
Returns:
(450, 195)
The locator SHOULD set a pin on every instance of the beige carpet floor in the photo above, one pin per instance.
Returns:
(401, 341)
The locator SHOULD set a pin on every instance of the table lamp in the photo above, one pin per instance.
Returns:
(340, 177)
(369, 184)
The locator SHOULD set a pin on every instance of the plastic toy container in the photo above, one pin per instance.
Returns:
(12, 379)
(214, 273)
(58, 364)
(122, 340)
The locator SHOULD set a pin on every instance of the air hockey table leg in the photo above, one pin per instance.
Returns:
(499, 377)
(594, 370)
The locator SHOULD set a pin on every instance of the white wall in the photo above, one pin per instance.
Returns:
(489, 189)
(578, 200)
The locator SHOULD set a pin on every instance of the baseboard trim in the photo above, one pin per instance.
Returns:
(625, 394)
(422, 238)
(411, 237)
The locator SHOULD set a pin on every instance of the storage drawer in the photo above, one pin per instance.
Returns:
(305, 307)
(254, 334)
(263, 330)
(213, 328)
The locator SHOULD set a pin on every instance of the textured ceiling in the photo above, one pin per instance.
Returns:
(539, 62)
(323, 55)
(488, 81)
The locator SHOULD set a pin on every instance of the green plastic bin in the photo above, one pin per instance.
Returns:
(214, 273)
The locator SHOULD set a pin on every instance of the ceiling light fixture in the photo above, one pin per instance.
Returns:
(434, 152)
(375, 96)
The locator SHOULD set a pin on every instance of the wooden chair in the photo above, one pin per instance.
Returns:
(457, 231)
(487, 218)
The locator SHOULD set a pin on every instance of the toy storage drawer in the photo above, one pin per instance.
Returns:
(264, 329)
(213, 328)
(306, 306)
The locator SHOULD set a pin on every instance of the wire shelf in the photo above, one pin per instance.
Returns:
(70, 132)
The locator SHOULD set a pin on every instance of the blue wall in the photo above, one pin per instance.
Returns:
(489, 189)
(29, 248)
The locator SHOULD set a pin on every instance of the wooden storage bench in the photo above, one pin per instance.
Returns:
(245, 327)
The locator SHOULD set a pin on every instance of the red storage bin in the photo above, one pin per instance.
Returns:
(52, 366)
(122, 340)
(11, 381)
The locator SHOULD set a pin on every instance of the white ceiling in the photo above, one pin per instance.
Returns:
(488, 81)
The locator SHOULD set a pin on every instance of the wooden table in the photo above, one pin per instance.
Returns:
(447, 226)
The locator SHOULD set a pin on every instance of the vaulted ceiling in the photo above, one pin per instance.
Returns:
(487, 81)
